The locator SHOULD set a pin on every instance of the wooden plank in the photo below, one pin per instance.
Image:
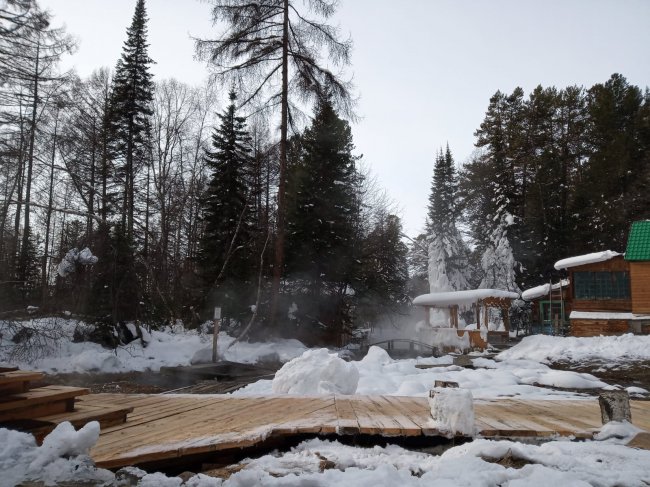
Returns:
(19, 376)
(40, 395)
(311, 417)
(346, 423)
(240, 424)
(417, 410)
(215, 417)
(407, 426)
(641, 441)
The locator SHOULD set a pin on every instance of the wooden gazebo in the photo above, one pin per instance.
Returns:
(481, 299)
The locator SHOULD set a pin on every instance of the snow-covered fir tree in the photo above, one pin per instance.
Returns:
(498, 262)
(447, 251)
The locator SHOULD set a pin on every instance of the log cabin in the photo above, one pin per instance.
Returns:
(609, 291)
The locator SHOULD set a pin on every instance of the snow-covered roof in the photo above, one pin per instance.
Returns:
(606, 315)
(461, 297)
(586, 259)
(543, 290)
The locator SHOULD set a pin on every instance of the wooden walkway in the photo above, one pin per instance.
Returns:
(165, 427)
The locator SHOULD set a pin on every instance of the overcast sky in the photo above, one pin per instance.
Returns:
(424, 69)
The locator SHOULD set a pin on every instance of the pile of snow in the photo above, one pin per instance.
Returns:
(549, 349)
(73, 258)
(316, 372)
(171, 346)
(63, 456)
(586, 259)
(452, 410)
(381, 375)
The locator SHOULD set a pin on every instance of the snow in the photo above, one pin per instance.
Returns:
(611, 349)
(381, 375)
(74, 257)
(606, 315)
(498, 263)
(63, 455)
(543, 290)
(172, 346)
(604, 462)
(601, 463)
(316, 372)
(452, 410)
(461, 297)
(586, 259)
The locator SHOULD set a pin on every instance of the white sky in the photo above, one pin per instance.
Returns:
(424, 69)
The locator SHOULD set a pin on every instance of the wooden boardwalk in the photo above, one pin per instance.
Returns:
(165, 427)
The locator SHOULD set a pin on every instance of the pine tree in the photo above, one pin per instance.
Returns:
(130, 111)
(228, 263)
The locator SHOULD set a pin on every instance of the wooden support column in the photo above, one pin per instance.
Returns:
(454, 316)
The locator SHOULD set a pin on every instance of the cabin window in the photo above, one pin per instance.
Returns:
(601, 285)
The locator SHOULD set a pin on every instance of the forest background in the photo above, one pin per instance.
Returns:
(185, 205)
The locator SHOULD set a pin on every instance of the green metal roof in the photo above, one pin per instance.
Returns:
(638, 242)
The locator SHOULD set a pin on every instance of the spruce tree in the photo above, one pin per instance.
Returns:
(322, 216)
(447, 253)
(130, 111)
(228, 263)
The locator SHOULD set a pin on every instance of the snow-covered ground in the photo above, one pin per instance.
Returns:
(613, 350)
(520, 371)
(168, 347)
(323, 463)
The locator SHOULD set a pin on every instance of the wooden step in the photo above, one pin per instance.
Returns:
(42, 401)
(16, 381)
(83, 414)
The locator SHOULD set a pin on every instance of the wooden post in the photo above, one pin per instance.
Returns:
(427, 315)
(478, 315)
(454, 316)
(443, 383)
(215, 333)
(614, 406)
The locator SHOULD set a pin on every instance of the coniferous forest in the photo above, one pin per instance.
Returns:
(124, 197)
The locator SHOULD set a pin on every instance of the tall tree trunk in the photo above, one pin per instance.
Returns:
(284, 119)
(30, 169)
(48, 215)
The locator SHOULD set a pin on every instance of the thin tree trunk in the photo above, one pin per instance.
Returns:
(30, 167)
(279, 242)
(48, 214)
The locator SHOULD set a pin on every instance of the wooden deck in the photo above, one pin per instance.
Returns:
(166, 427)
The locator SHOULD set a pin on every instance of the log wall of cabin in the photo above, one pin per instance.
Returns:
(640, 287)
(617, 264)
(592, 328)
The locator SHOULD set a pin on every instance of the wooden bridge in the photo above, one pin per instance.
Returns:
(167, 428)
(401, 347)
